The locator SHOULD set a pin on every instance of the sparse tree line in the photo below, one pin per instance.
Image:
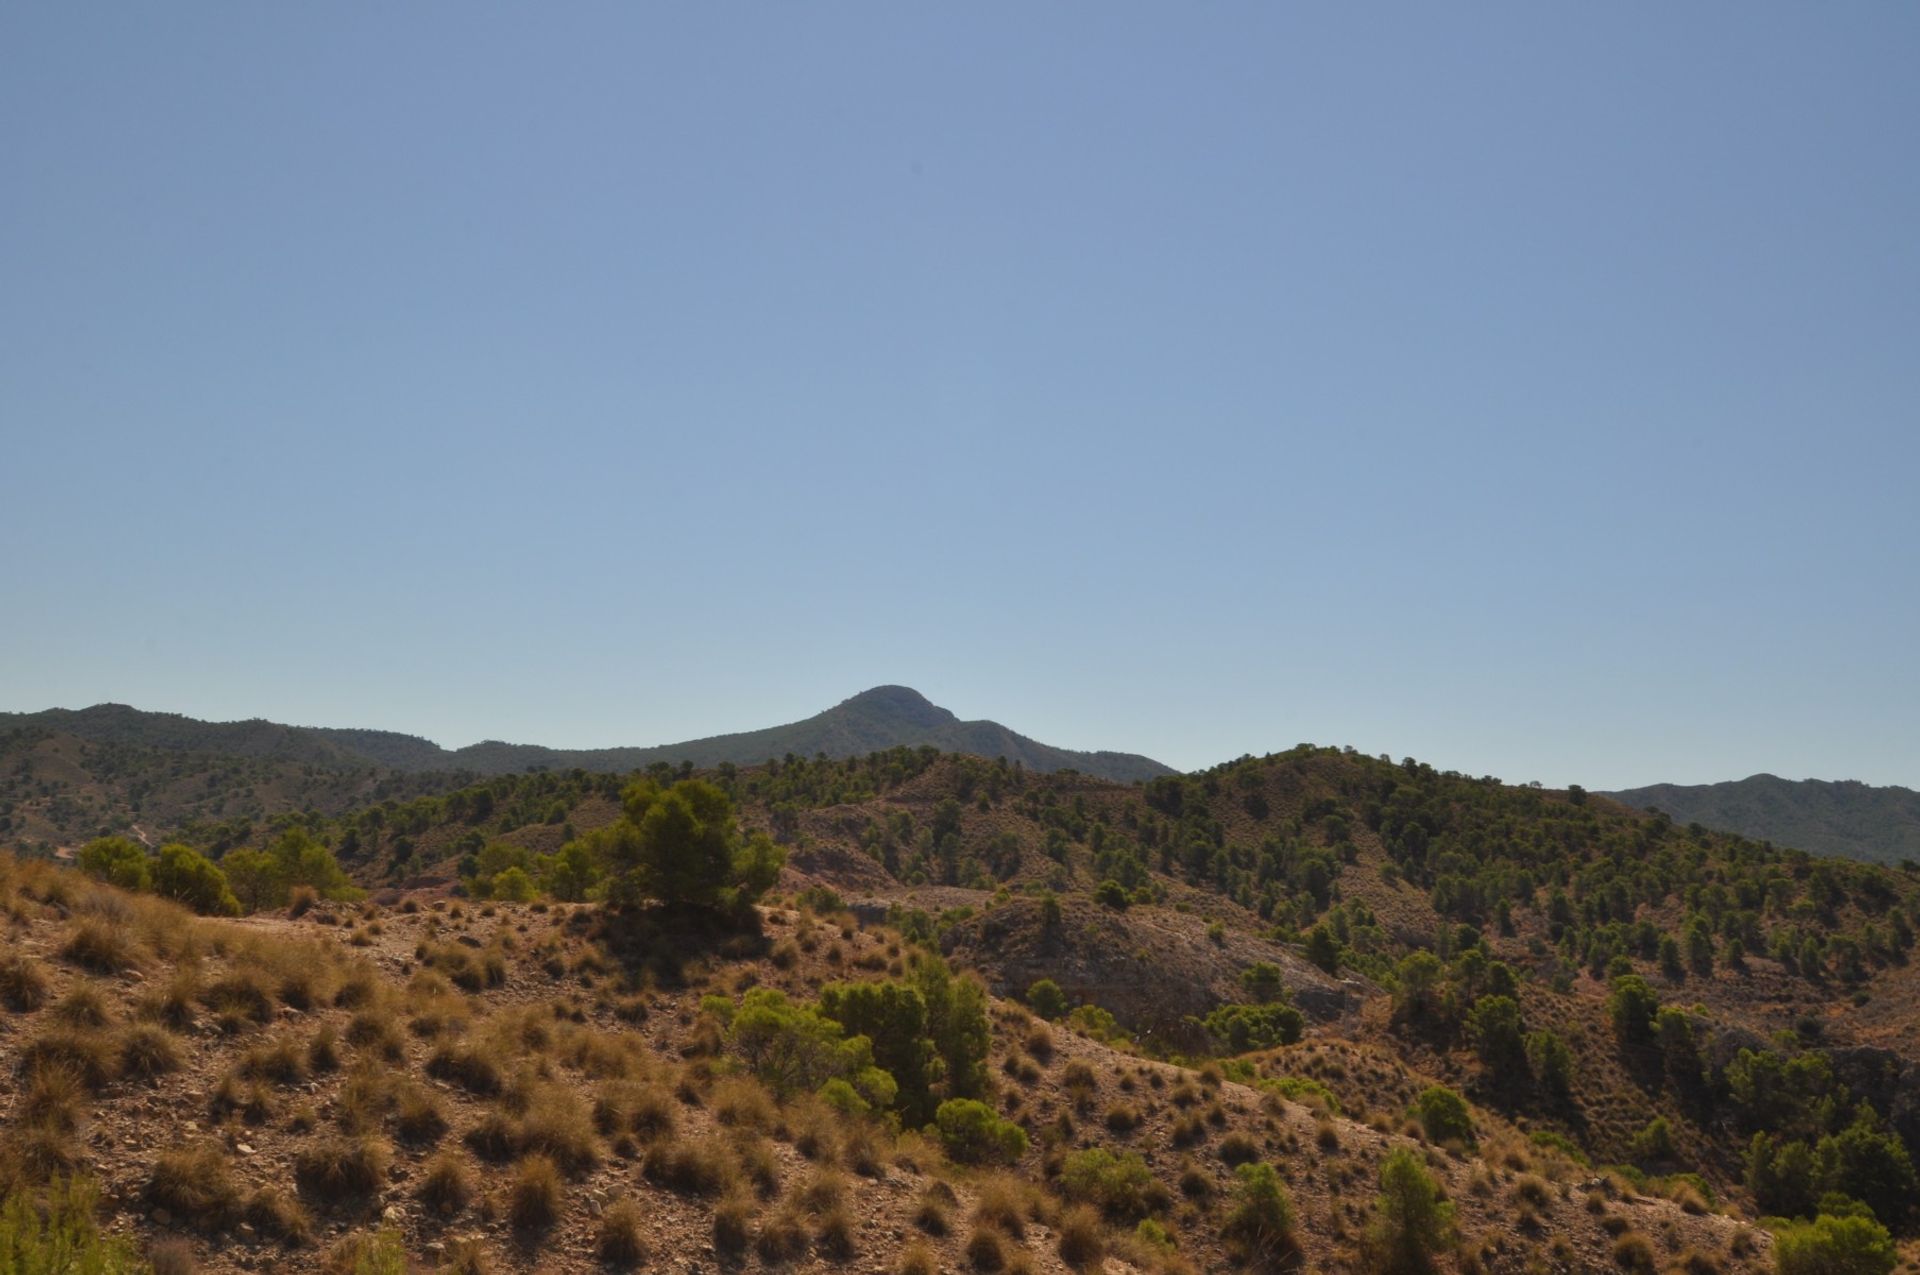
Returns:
(679, 845)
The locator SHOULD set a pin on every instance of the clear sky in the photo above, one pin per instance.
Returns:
(1531, 389)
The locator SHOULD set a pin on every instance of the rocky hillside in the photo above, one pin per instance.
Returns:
(417, 1082)
(1573, 1004)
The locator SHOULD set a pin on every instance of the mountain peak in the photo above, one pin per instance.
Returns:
(900, 704)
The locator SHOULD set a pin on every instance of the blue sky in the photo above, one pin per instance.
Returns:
(1530, 389)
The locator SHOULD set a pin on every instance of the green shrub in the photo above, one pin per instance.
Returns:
(1095, 1023)
(1631, 1008)
(682, 846)
(1654, 1144)
(794, 1048)
(56, 1235)
(1046, 999)
(1323, 949)
(188, 877)
(1783, 1176)
(1154, 1235)
(1244, 1027)
(844, 1098)
(1300, 1088)
(1263, 982)
(1411, 1223)
(1551, 1063)
(956, 1024)
(1499, 1035)
(119, 861)
(1443, 1115)
(1834, 1246)
(973, 1134)
(382, 1253)
(295, 861)
(1119, 1185)
(1260, 1222)
(513, 886)
(1871, 1165)
(1562, 1143)
(892, 1016)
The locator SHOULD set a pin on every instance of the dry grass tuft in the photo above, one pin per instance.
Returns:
(1532, 1190)
(272, 1211)
(931, 1214)
(742, 1102)
(494, 1136)
(174, 1001)
(23, 984)
(239, 1000)
(148, 1051)
(368, 1096)
(643, 1110)
(37, 1154)
(833, 1234)
(986, 1251)
(618, 1242)
(101, 946)
(373, 1031)
(89, 1054)
(816, 1131)
(279, 1060)
(446, 1186)
(323, 1051)
(1082, 1245)
(418, 1116)
(782, 1238)
(55, 1098)
(1688, 1197)
(83, 1006)
(733, 1226)
(864, 1151)
(1634, 1252)
(1002, 1203)
(557, 1125)
(758, 1165)
(195, 1186)
(466, 1257)
(1237, 1149)
(342, 1167)
(463, 1063)
(253, 1102)
(534, 1196)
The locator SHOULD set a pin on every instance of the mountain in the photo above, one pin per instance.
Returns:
(884, 717)
(1847, 818)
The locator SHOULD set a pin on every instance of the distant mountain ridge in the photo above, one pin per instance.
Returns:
(1844, 817)
(884, 717)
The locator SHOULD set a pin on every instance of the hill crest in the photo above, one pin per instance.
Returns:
(876, 719)
(1842, 817)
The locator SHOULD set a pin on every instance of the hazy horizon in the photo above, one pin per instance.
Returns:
(1528, 391)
